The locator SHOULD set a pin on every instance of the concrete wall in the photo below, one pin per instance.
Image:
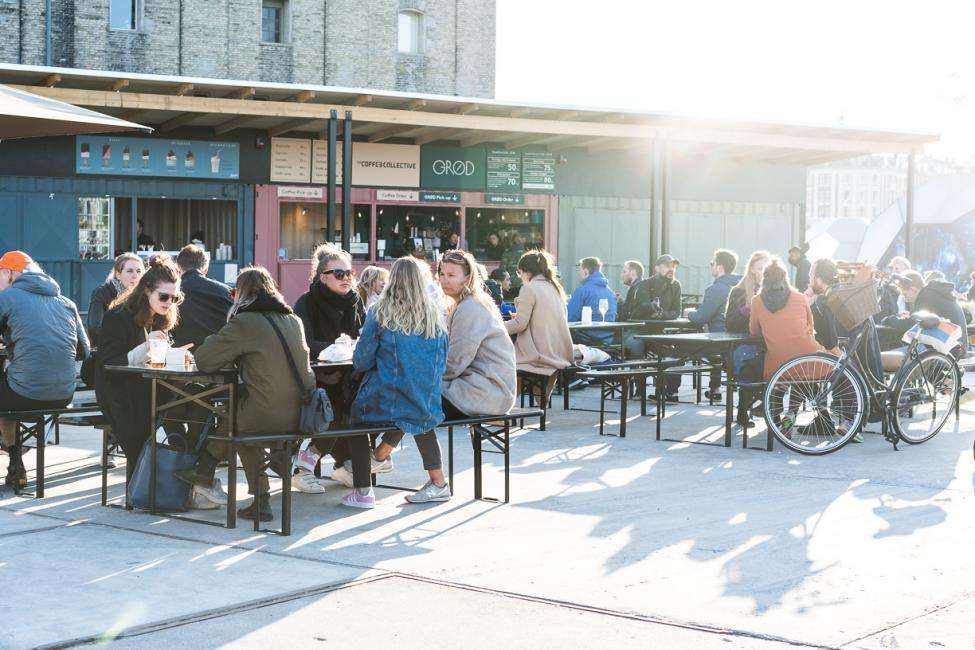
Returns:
(339, 42)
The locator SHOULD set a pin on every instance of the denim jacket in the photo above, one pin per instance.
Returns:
(403, 378)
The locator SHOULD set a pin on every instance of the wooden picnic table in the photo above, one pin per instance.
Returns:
(173, 378)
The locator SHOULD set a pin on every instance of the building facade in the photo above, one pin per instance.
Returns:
(862, 188)
(444, 47)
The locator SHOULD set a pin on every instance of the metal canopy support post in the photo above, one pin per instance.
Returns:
(654, 220)
(347, 181)
(664, 199)
(330, 214)
(134, 224)
(909, 217)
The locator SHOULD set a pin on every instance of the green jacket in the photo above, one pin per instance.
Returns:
(269, 400)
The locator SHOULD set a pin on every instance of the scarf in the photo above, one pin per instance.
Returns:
(332, 314)
(117, 285)
(266, 302)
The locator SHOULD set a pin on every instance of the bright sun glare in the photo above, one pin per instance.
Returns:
(885, 64)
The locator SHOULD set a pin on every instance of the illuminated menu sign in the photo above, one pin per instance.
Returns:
(121, 156)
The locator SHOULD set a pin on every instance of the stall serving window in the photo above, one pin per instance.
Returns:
(492, 231)
(304, 225)
(422, 231)
(95, 228)
(170, 224)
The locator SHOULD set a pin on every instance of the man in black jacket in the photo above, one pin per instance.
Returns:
(937, 296)
(205, 301)
(666, 287)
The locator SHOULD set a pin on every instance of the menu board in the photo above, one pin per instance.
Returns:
(319, 162)
(538, 171)
(504, 171)
(121, 156)
(290, 160)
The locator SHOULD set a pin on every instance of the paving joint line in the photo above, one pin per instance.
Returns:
(911, 619)
(217, 612)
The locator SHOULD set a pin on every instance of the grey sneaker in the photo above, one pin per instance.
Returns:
(430, 492)
(213, 493)
(195, 500)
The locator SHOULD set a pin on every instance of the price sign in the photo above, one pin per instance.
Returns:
(538, 171)
(504, 171)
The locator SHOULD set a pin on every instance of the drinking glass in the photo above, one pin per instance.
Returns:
(157, 352)
(603, 307)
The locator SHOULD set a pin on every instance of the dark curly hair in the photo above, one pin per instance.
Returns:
(136, 300)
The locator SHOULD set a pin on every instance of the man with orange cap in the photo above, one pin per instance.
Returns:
(44, 336)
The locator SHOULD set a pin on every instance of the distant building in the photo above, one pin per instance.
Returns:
(417, 46)
(862, 188)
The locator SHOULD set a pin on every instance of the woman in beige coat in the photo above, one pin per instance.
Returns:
(544, 344)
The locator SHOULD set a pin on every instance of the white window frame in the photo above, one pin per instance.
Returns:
(139, 7)
(285, 8)
(417, 28)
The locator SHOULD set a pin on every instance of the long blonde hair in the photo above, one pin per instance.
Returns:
(406, 305)
(747, 282)
(473, 285)
(368, 279)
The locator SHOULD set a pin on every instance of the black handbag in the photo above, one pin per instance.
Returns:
(316, 409)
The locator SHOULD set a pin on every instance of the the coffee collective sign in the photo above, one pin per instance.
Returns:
(294, 160)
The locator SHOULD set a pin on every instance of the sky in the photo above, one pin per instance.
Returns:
(860, 63)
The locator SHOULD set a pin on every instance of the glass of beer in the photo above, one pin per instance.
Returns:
(157, 352)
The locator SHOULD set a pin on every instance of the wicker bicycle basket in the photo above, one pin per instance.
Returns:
(852, 304)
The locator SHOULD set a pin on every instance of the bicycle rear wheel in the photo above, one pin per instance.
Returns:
(814, 404)
(924, 396)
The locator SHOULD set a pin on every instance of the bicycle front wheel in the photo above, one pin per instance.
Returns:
(924, 396)
(814, 404)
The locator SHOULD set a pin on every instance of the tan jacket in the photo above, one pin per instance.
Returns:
(544, 344)
(269, 398)
(480, 375)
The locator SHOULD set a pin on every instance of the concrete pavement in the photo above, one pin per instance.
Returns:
(616, 542)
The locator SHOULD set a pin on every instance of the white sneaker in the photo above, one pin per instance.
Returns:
(213, 492)
(430, 492)
(381, 466)
(343, 475)
(305, 481)
(197, 501)
(306, 460)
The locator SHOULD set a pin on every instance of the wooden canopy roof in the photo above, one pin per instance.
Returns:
(167, 103)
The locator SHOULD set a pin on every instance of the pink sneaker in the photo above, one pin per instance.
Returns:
(355, 500)
(306, 460)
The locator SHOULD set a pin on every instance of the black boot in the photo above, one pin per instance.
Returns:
(16, 472)
(264, 509)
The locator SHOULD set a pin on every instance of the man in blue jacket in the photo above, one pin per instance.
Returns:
(44, 337)
(710, 313)
(593, 287)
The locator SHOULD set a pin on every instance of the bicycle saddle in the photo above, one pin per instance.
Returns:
(926, 319)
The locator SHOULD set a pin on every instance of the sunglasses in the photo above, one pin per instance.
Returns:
(455, 255)
(340, 274)
(166, 297)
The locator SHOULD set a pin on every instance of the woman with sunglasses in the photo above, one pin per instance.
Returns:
(146, 311)
(330, 308)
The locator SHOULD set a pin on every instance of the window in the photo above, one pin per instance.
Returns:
(492, 231)
(274, 21)
(410, 32)
(125, 14)
(303, 228)
(95, 228)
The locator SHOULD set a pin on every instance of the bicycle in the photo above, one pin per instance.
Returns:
(816, 403)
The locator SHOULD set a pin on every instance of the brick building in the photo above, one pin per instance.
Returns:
(444, 47)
